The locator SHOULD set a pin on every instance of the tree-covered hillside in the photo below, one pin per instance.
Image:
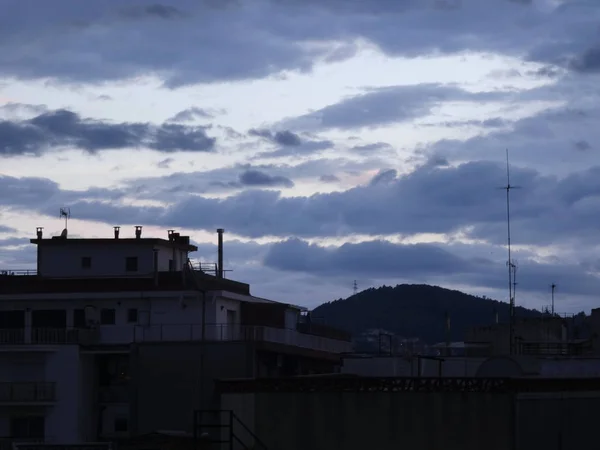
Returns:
(414, 311)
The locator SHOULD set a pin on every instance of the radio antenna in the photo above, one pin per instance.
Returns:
(66, 213)
(512, 267)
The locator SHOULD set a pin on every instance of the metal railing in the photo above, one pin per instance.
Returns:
(9, 272)
(9, 443)
(125, 334)
(27, 392)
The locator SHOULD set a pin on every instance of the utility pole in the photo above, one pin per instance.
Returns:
(355, 288)
(553, 287)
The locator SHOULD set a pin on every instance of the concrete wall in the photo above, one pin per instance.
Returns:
(168, 381)
(382, 421)
(58, 260)
(423, 421)
(562, 421)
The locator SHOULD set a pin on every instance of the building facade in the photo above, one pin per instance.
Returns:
(113, 338)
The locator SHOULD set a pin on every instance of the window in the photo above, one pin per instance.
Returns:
(27, 427)
(86, 262)
(132, 315)
(131, 264)
(79, 318)
(107, 316)
(121, 425)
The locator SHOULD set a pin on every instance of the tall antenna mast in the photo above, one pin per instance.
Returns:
(553, 287)
(66, 213)
(355, 287)
(511, 266)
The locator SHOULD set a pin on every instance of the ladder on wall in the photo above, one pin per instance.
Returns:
(216, 430)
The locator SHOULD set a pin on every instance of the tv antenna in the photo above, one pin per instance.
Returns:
(66, 213)
(355, 288)
(553, 287)
(512, 267)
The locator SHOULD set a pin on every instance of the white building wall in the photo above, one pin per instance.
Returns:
(62, 420)
(108, 259)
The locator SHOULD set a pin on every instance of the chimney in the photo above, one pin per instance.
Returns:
(220, 232)
(40, 232)
(138, 232)
(117, 232)
(170, 234)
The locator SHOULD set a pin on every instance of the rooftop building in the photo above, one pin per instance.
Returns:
(119, 337)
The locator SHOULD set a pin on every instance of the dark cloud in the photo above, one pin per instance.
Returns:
(285, 138)
(191, 114)
(165, 163)
(262, 179)
(16, 109)
(152, 11)
(373, 148)
(386, 176)
(5, 229)
(385, 106)
(329, 179)
(226, 179)
(425, 262)
(463, 198)
(494, 122)
(545, 140)
(63, 128)
(582, 145)
(588, 61)
(270, 35)
(289, 143)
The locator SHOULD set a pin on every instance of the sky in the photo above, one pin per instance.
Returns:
(334, 140)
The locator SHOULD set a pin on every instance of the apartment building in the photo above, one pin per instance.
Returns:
(117, 337)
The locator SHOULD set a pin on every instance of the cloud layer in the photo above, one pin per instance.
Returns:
(66, 129)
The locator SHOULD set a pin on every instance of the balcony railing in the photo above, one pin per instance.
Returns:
(18, 272)
(126, 334)
(24, 392)
(9, 443)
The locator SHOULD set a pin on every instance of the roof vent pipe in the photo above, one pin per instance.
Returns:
(116, 232)
(138, 232)
(40, 232)
(220, 232)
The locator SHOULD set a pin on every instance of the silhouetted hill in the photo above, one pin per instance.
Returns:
(414, 311)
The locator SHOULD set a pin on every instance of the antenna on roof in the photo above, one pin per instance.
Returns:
(66, 213)
(553, 286)
(512, 267)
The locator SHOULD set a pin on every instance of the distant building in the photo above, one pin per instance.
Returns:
(122, 337)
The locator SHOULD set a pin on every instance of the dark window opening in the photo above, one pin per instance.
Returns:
(132, 315)
(131, 264)
(79, 318)
(86, 262)
(27, 427)
(107, 316)
(121, 425)
(171, 265)
(49, 318)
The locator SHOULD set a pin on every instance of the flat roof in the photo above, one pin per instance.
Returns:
(113, 241)
(166, 281)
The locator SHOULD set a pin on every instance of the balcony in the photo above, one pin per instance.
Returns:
(7, 443)
(127, 334)
(21, 393)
